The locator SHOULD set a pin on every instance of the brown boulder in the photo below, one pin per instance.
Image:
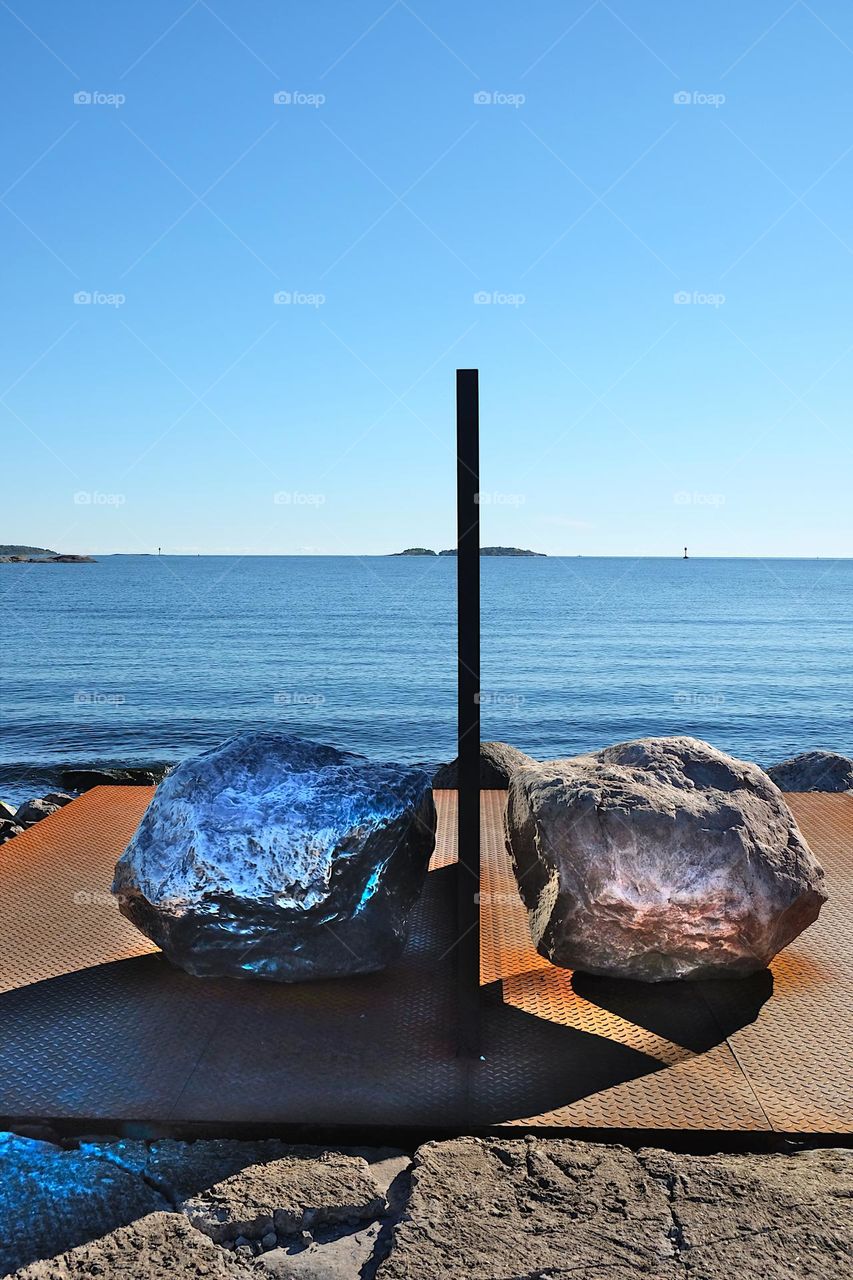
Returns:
(658, 859)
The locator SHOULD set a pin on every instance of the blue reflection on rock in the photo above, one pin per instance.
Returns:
(52, 1199)
(278, 858)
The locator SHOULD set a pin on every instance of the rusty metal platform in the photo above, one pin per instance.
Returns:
(96, 1028)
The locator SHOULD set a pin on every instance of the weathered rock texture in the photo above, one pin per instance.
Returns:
(552, 1208)
(759, 1217)
(14, 821)
(179, 1170)
(659, 859)
(498, 762)
(286, 1197)
(32, 811)
(814, 771)
(52, 1199)
(490, 1210)
(132, 776)
(505, 1210)
(273, 857)
(161, 1246)
(209, 1208)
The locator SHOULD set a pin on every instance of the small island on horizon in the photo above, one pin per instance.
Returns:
(10, 553)
(484, 551)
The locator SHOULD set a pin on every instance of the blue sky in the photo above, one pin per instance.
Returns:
(183, 406)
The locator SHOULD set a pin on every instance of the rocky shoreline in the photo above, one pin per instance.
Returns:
(66, 559)
(809, 771)
(73, 781)
(490, 1209)
(12, 553)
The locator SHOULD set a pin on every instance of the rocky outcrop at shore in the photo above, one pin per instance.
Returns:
(131, 776)
(498, 762)
(659, 859)
(50, 559)
(14, 821)
(279, 858)
(74, 781)
(474, 1209)
(21, 549)
(814, 771)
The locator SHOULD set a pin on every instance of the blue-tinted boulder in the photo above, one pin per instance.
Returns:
(273, 857)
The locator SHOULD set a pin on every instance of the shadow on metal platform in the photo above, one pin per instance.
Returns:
(695, 1015)
(99, 1032)
(140, 1040)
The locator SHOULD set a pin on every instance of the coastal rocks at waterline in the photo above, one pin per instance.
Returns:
(498, 762)
(131, 776)
(273, 857)
(34, 810)
(14, 821)
(814, 771)
(659, 859)
(8, 826)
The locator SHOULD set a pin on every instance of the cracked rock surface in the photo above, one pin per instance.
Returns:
(490, 1209)
(286, 1197)
(52, 1199)
(159, 1209)
(513, 1209)
(158, 1247)
(757, 1217)
(541, 1209)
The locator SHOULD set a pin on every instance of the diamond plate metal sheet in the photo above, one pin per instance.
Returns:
(798, 1054)
(771, 1052)
(445, 842)
(96, 1025)
(57, 913)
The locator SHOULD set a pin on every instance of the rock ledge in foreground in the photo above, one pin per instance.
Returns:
(506, 1209)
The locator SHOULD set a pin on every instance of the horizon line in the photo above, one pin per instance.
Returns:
(396, 555)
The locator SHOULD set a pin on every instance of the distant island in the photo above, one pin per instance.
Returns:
(12, 549)
(484, 551)
(10, 553)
